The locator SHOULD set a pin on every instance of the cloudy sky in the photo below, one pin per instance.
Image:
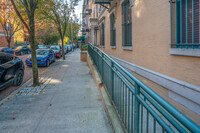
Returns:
(78, 9)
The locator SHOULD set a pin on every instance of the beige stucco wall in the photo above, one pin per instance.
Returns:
(150, 47)
(151, 41)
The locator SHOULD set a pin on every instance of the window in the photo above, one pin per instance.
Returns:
(102, 34)
(7, 26)
(126, 24)
(185, 24)
(112, 30)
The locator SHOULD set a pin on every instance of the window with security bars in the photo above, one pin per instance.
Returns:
(126, 24)
(112, 30)
(185, 24)
(102, 38)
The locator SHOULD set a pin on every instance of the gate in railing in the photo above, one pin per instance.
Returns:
(138, 106)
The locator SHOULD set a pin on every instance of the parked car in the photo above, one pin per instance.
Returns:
(57, 49)
(44, 57)
(65, 49)
(11, 70)
(20, 50)
(74, 46)
(69, 48)
(42, 47)
(29, 46)
(7, 50)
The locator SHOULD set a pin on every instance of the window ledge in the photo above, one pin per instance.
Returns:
(127, 47)
(113, 47)
(102, 46)
(185, 52)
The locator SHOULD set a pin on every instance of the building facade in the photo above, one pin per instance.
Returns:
(7, 24)
(4, 7)
(157, 40)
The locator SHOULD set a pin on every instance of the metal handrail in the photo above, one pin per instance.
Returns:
(134, 100)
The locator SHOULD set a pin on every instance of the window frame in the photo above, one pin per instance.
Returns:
(177, 38)
(179, 44)
(126, 24)
(112, 31)
(102, 34)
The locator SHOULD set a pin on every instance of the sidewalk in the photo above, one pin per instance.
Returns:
(70, 103)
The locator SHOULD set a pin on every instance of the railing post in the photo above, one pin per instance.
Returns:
(112, 80)
(97, 59)
(102, 66)
(136, 109)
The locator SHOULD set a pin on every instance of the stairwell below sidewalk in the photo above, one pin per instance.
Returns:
(115, 120)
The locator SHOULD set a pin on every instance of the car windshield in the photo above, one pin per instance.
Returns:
(19, 47)
(42, 52)
(54, 48)
(41, 46)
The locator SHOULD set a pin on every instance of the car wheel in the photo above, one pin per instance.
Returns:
(18, 78)
(48, 63)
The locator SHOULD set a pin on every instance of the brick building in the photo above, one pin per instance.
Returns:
(3, 42)
(157, 40)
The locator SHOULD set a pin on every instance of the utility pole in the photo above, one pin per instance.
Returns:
(72, 35)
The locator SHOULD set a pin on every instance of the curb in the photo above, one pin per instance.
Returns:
(11, 95)
(15, 92)
(112, 115)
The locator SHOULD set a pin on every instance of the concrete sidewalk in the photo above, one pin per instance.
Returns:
(70, 103)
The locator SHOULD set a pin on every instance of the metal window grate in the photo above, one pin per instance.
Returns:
(186, 16)
(102, 39)
(126, 24)
(112, 30)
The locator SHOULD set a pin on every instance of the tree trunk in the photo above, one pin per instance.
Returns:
(8, 43)
(33, 50)
(63, 52)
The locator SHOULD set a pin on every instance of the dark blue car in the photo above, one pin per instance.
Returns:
(44, 57)
(20, 50)
(7, 50)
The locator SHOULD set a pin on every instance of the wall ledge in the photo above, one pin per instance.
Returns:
(188, 93)
(185, 52)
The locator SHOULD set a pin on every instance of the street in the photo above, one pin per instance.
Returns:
(27, 75)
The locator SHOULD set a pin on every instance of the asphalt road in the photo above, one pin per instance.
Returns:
(27, 75)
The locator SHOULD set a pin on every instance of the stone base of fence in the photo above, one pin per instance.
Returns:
(112, 115)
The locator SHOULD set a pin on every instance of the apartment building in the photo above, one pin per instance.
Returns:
(3, 42)
(20, 35)
(157, 40)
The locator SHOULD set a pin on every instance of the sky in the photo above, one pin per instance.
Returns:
(78, 9)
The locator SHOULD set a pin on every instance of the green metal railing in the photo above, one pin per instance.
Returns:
(138, 106)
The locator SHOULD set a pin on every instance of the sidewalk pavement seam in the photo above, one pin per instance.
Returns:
(71, 103)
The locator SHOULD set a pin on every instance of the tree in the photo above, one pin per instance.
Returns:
(9, 21)
(72, 31)
(25, 10)
(46, 32)
(59, 15)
